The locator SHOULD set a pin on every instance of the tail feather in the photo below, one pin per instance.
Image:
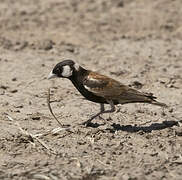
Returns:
(153, 100)
(158, 103)
(134, 96)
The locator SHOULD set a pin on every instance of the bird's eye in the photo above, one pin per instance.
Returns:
(57, 71)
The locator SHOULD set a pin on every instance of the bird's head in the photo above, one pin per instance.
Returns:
(64, 69)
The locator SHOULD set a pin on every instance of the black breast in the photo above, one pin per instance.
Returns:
(77, 80)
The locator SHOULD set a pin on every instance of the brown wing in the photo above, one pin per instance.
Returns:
(103, 86)
(108, 88)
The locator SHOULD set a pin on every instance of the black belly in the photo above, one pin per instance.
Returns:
(89, 95)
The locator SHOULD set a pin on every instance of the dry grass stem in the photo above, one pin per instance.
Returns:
(26, 133)
(50, 109)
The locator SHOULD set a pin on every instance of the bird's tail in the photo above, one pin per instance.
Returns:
(134, 96)
(158, 103)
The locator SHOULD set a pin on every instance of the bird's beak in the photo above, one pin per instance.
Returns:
(51, 75)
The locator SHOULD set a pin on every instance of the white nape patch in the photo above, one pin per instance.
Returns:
(67, 72)
(76, 66)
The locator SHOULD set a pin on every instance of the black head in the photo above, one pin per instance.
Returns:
(64, 69)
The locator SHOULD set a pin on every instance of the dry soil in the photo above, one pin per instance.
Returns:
(138, 42)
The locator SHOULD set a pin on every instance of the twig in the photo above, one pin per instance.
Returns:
(50, 109)
(26, 133)
(56, 130)
(40, 176)
(104, 164)
(53, 131)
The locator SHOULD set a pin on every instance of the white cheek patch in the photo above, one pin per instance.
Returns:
(76, 66)
(67, 72)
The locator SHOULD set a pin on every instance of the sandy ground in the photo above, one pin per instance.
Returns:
(136, 42)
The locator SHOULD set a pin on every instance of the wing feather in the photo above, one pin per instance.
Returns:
(103, 86)
(108, 88)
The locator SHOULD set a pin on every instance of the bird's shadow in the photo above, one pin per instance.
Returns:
(134, 128)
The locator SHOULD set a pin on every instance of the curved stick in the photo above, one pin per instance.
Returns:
(50, 109)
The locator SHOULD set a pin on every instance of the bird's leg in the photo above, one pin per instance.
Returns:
(102, 110)
(112, 107)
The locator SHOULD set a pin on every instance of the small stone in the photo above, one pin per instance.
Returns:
(20, 45)
(46, 44)
(4, 87)
(36, 118)
(14, 79)
(171, 110)
(178, 132)
(120, 4)
(14, 91)
(19, 106)
(137, 85)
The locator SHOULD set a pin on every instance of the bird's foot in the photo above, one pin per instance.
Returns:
(89, 121)
(100, 117)
(86, 123)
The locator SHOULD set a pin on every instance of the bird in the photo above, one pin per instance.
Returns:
(99, 88)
